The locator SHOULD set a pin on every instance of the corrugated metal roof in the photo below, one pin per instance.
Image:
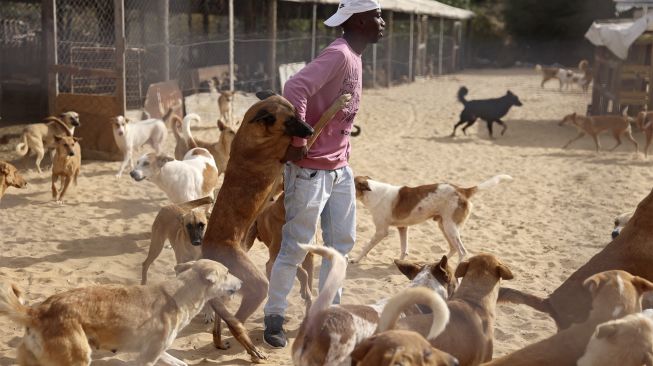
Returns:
(427, 7)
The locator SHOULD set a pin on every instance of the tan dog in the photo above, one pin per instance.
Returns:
(645, 124)
(390, 347)
(65, 328)
(344, 326)
(10, 177)
(225, 105)
(595, 125)
(626, 342)
(66, 164)
(254, 166)
(39, 137)
(183, 227)
(631, 251)
(469, 336)
(220, 149)
(403, 206)
(267, 229)
(614, 294)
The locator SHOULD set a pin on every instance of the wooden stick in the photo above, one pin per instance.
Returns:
(337, 105)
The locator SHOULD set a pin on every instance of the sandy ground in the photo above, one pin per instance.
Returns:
(555, 215)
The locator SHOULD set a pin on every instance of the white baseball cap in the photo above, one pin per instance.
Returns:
(347, 8)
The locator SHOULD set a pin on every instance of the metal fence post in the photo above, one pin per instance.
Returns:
(49, 24)
(119, 29)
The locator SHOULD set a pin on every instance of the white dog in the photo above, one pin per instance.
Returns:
(131, 135)
(182, 180)
(399, 206)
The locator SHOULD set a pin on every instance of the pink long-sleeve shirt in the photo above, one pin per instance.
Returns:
(336, 71)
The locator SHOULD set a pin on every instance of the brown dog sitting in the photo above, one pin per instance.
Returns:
(631, 251)
(390, 347)
(614, 294)
(10, 177)
(66, 164)
(469, 335)
(220, 149)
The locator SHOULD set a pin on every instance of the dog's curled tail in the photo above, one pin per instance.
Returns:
(462, 92)
(356, 131)
(468, 192)
(11, 304)
(517, 297)
(185, 129)
(583, 65)
(333, 282)
(412, 296)
(22, 148)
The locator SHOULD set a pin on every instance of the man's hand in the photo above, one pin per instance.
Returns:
(294, 153)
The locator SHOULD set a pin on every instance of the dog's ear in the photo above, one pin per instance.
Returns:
(510, 93)
(4, 168)
(409, 269)
(443, 263)
(592, 283)
(18, 293)
(264, 116)
(362, 184)
(359, 353)
(504, 272)
(58, 138)
(641, 284)
(183, 267)
(162, 159)
(221, 126)
(77, 139)
(606, 331)
(462, 269)
(265, 94)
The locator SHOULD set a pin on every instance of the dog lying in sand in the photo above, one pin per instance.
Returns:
(10, 177)
(390, 347)
(39, 137)
(614, 294)
(66, 327)
(182, 180)
(625, 342)
(403, 206)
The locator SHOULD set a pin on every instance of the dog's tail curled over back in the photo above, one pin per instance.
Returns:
(11, 305)
(461, 94)
(333, 282)
(22, 148)
(412, 296)
(185, 129)
(356, 131)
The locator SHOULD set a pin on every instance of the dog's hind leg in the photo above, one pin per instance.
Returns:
(629, 136)
(127, 159)
(40, 153)
(580, 134)
(403, 239)
(455, 127)
(236, 328)
(505, 127)
(156, 246)
(468, 125)
(489, 128)
(451, 233)
(380, 234)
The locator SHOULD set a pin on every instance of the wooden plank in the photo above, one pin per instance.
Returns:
(119, 32)
(83, 71)
(49, 25)
(272, 32)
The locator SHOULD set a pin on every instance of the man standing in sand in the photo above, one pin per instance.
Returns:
(319, 183)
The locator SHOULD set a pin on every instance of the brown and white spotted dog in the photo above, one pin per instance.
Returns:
(182, 180)
(403, 206)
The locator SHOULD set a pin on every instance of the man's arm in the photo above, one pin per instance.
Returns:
(310, 80)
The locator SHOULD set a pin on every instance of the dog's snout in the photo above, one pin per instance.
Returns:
(298, 128)
(71, 153)
(197, 242)
(615, 233)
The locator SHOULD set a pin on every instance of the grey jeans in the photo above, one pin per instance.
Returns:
(328, 195)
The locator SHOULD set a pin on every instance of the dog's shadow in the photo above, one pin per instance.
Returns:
(100, 246)
(446, 139)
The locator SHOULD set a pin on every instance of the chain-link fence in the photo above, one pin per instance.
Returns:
(173, 39)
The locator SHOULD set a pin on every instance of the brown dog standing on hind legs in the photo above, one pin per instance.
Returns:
(595, 125)
(66, 164)
(254, 166)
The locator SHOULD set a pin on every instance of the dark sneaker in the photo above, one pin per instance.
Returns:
(274, 335)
